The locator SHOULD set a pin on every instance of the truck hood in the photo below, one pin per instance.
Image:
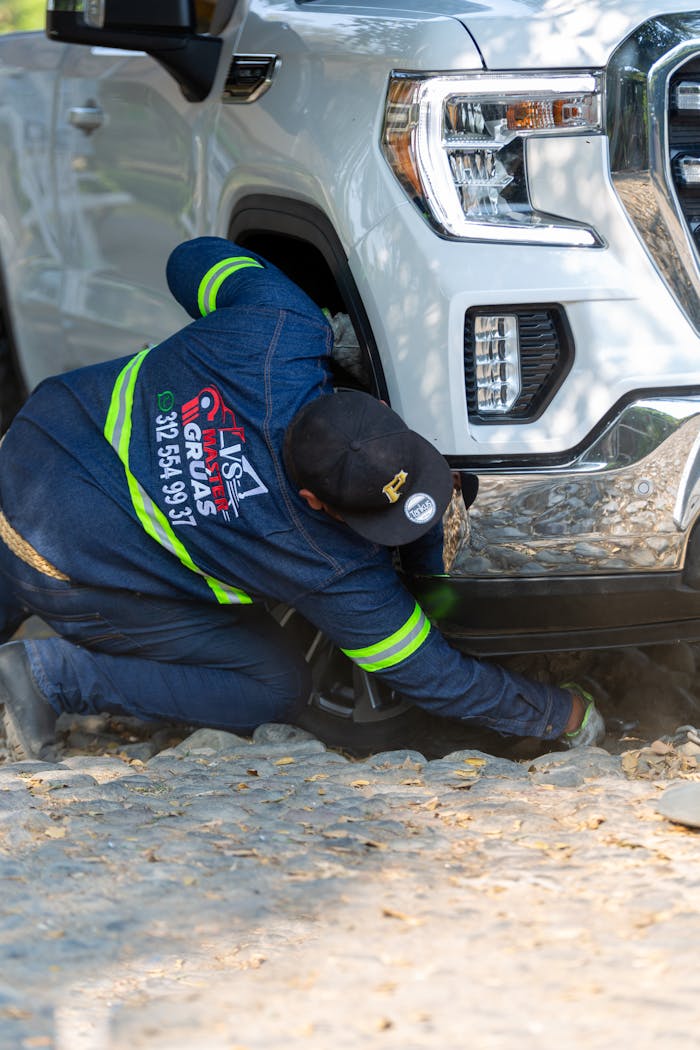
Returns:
(540, 34)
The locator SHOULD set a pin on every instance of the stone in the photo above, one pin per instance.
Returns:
(212, 739)
(281, 733)
(587, 761)
(561, 776)
(487, 765)
(392, 759)
(681, 804)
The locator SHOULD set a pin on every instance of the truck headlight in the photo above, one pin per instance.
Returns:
(457, 145)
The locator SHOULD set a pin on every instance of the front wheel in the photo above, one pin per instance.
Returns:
(348, 708)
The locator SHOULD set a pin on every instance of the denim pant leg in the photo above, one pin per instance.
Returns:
(12, 611)
(231, 667)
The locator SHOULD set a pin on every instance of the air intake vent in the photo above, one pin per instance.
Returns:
(249, 76)
(546, 355)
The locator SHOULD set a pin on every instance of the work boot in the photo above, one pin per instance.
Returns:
(591, 732)
(28, 719)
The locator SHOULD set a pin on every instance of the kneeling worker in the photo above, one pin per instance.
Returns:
(151, 506)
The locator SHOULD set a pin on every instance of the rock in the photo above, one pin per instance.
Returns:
(391, 759)
(487, 765)
(143, 750)
(681, 804)
(588, 761)
(561, 776)
(280, 733)
(211, 739)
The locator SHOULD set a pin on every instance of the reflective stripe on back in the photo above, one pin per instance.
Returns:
(215, 277)
(397, 647)
(118, 432)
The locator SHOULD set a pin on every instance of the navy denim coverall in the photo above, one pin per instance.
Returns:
(152, 493)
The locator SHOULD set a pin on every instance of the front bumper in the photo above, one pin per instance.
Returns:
(595, 552)
(626, 503)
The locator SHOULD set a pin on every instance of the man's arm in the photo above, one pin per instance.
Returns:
(424, 556)
(208, 273)
(378, 624)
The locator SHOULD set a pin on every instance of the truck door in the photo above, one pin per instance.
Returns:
(30, 254)
(131, 156)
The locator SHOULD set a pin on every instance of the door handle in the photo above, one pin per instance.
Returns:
(87, 118)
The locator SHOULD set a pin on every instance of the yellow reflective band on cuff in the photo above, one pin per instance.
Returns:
(117, 430)
(397, 647)
(215, 277)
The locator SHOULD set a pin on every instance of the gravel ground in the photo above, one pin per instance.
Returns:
(166, 889)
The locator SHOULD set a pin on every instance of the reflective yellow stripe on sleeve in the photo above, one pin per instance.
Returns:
(215, 277)
(118, 432)
(397, 647)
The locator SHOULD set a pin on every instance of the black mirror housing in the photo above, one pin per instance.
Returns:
(165, 29)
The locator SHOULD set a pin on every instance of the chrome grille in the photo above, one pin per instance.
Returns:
(648, 143)
(684, 142)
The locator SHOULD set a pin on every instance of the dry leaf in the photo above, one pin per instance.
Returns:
(629, 760)
(55, 833)
(15, 1013)
(392, 913)
(359, 783)
(288, 761)
(660, 747)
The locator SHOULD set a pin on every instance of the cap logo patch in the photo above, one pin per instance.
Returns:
(420, 508)
(391, 489)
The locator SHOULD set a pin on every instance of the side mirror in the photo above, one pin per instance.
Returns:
(168, 30)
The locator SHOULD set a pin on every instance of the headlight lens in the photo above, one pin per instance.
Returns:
(456, 143)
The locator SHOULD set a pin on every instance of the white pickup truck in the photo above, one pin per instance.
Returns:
(504, 198)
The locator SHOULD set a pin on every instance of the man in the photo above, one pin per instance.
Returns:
(151, 506)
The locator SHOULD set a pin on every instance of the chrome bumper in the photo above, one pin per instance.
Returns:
(625, 505)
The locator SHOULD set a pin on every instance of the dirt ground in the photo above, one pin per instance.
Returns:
(165, 889)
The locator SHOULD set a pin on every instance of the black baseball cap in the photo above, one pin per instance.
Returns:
(358, 456)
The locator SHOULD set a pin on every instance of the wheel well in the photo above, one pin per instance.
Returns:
(301, 241)
(301, 262)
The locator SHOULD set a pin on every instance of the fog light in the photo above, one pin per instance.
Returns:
(497, 362)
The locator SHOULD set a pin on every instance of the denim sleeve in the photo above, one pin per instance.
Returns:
(208, 273)
(373, 618)
(424, 556)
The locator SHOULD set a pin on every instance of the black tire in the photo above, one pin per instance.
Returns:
(347, 709)
(355, 712)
